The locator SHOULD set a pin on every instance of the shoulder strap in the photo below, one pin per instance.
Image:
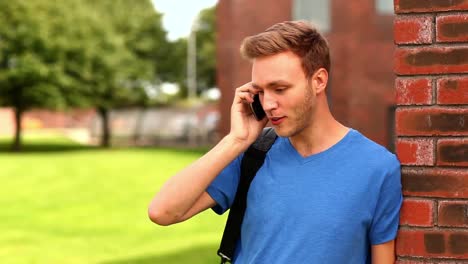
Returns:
(251, 162)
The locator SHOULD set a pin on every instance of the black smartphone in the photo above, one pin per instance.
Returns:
(257, 108)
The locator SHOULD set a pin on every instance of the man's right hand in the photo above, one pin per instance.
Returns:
(244, 127)
(184, 194)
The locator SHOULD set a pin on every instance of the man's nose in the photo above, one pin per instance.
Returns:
(269, 102)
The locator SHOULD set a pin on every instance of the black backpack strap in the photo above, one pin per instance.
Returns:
(251, 162)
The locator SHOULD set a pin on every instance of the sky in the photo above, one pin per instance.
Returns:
(178, 15)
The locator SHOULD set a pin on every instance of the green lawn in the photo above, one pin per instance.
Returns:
(63, 203)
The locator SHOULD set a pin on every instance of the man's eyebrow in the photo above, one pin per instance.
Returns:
(256, 86)
(272, 84)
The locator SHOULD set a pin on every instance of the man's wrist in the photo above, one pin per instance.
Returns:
(235, 144)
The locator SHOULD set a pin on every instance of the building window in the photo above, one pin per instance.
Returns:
(317, 12)
(384, 6)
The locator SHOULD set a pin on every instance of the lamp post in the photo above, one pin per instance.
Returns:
(192, 60)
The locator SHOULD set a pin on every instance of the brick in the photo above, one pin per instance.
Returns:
(432, 122)
(425, 261)
(413, 30)
(417, 212)
(413, 91)
(453, 213)
(431, 60)
(458, 243)
(428, 243)
(452, 28)
(415, 151)
(407, 6)
(452, 90)
(452, 152)
(431, 182)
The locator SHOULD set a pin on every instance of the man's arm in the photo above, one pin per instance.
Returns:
(384, 253)
(184, 195)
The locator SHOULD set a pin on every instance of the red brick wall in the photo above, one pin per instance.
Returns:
(431, 63)
(38, 118)
(76, 118)
(7, 126)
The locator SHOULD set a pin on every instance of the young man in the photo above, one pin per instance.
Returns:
(325, 194)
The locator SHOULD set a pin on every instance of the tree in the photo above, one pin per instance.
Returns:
(31, 74)
(139, 42)
(58, 54)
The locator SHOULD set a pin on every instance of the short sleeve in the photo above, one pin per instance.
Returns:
(386, 218)
(224, 186)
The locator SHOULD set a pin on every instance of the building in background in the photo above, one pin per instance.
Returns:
(360, 33)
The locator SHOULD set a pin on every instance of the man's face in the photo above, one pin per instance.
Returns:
(286, 95)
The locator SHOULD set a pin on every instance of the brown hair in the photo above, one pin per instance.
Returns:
(299, 37)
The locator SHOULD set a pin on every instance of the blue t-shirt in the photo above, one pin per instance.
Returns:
(329, 207)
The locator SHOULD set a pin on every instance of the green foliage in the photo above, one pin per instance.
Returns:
(80, 53)
(29, 63)
(206, 49)
(107, 54)
(90, 206)
(140, 39)
(174, 67)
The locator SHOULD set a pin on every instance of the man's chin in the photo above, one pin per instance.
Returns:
(282, 131)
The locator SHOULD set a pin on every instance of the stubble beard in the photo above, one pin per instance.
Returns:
(302, 114)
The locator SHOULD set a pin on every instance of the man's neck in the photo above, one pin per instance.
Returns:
(323, 133)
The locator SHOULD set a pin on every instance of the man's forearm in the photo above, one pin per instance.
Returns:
(384, 253)
(181, 191)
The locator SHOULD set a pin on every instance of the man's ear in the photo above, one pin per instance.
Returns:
(320, 80)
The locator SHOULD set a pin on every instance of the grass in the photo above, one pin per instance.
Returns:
(65, 203)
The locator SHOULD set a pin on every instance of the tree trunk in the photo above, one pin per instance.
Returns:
(19, 110)
(17, 140)
(106, 131)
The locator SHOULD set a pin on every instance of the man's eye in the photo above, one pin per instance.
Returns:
(279, 90)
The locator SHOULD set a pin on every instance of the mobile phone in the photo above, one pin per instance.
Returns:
(257, 108)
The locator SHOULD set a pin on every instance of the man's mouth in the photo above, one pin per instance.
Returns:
(276, 120)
